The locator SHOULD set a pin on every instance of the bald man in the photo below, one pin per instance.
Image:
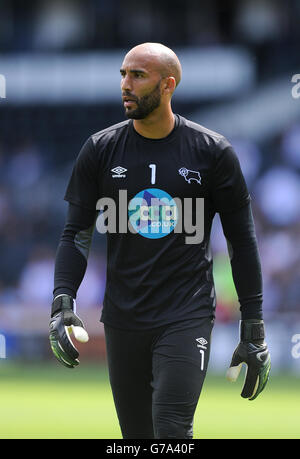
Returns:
(157, 180)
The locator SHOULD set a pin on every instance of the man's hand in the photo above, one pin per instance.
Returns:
(63, 322)
(253, 351)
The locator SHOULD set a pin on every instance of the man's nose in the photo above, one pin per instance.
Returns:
(126, 83)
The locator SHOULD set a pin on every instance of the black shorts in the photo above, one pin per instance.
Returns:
(157, 375)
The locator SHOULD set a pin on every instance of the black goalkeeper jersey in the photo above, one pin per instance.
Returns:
(159, 267)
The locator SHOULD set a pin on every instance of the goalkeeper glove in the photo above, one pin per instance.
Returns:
(63, 322)
(252, 351)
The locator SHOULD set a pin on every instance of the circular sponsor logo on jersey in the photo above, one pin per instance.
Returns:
(153, 213)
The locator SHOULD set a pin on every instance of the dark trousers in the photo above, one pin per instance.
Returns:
(157, 375)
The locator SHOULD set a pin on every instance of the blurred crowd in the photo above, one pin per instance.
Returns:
(272, 173)
(94, 24)
(39, 144)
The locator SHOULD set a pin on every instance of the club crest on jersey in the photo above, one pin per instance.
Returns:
(190, 175)
(118, 172)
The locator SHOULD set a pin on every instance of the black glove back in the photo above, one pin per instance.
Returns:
(253, 351)
(61, 324)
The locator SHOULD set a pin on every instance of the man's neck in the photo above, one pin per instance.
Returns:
(155, 126)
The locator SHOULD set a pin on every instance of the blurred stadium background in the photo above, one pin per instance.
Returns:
(61, 61)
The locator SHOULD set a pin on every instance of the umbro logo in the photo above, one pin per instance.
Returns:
(201, 342)
(118, 172)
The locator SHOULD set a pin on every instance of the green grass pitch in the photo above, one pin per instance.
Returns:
(49, 401)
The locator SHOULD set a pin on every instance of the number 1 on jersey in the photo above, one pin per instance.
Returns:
(153, 173)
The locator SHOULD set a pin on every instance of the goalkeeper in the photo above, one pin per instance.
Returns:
(159, 305)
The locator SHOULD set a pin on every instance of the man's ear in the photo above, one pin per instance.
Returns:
(169, 84)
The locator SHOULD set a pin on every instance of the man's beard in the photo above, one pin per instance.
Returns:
(145, 104)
